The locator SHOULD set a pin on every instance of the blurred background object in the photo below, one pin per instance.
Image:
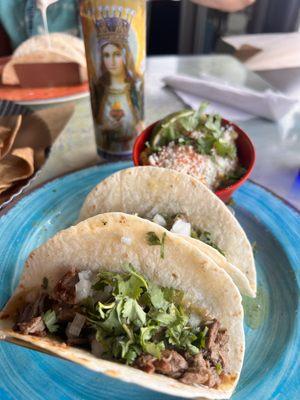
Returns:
(183, 27)
(263, 34)
(21, 19)
(26, 139)
(272, 56)
(174, 26)
(42, 59)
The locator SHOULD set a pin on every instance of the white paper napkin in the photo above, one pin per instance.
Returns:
(232, 102)
(227, 112)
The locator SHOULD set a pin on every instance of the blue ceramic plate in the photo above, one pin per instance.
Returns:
(271, 368)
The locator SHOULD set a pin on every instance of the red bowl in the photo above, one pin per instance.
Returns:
(245, 151)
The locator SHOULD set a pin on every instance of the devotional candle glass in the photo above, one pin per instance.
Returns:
(115, 41)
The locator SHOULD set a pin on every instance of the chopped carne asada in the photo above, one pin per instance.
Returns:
(35, 326)
(171, 364)
(132, 320)
(64, 291)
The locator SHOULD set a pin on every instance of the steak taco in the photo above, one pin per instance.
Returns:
(122, 296)
(185, 206)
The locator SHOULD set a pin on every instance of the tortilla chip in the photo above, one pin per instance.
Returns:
(4, 187)
(16, 166)
(4, 133)
(8, 134)
(39, 157)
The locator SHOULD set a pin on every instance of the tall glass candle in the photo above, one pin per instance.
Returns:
(115, 42)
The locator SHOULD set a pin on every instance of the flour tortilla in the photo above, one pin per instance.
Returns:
(63, 48)
(62, 43)
(236, 275)
(151, 190)
(97, 244)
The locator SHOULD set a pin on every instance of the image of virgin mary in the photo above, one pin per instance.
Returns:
(117, 101)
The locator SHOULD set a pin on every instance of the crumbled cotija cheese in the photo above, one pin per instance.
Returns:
(184, 158)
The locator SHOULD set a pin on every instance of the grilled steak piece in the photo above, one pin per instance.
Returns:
(171, 364)
(199, 377)
(32, 310)
(212, 334)
(64, 291)
(34, 327)
(145, 363)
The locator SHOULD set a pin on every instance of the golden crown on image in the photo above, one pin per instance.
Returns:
(112, 22)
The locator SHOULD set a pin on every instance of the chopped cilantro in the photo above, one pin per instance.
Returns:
(202, 337)
(140, 317)
(157, 297)
(205, 145)
(254, 247)
(162, 247)
(225, 149)
(233, 177)
(149, 346)
(133, 312)
(219, 368)
(50, 320)
(173, 295)
(102, 307)
(213, 125)
(153, 240)
(192, 122)
(170, 134)
(131, 288)
(154, 348)
(112, 324)
(205, 237)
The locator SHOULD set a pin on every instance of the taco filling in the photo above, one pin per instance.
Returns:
(127, 318)
(180, 224)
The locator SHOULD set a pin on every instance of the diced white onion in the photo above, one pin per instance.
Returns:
(126, 240)
(194, 320)
(154, 210)
(159, 219)
(76, 325)
(85, 275)
(83, 286)
(181, 227)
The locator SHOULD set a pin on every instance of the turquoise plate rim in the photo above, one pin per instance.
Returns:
(292, 254)
(124, 164)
